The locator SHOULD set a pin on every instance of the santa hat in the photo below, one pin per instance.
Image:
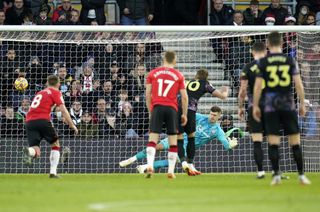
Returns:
(270, 18)
(290, 18)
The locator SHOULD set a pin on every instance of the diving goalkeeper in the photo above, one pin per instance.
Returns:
(208, 129)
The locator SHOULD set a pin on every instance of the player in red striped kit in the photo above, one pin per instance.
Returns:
(39, 126)
(163, 86)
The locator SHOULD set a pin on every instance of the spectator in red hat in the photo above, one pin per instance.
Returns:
(270, 20)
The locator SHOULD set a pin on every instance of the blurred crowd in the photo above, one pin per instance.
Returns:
(157, 12)
(103, 85)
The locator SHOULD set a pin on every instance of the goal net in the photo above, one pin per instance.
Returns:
(102, 75)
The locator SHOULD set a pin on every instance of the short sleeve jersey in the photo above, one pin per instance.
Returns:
(42, 104)
(277, 70)
(166, 83)
(249, 73)
(196, 89)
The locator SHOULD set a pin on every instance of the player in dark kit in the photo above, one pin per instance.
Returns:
(279, 72)
(163, 85)
(195, 89)
(39, 126)
(248, 76)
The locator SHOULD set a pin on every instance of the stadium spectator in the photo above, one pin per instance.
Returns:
(125, 124)
(270, 20)
(74, 17)
(42, 18)
(87, 78)
(252, 15)
(301, 12)
(133, 12)
(125, 82)
(277, 11)
(76, 112)
(290, 20)
(123, 97)
(2, 17)
(74, 92)
(107, 126)
(36, 5)
(107, 93)
(10, 68)
(311, 19)
(221, 14)
(65, 79)
(36, 74)
(308, 123)
(23, 110)
(92, 10)
(106, 54)
(101, 111)
(139, 76)
(10, 125)
(61, 15)
(5, 4)
(238, 18)
(17, 13)
(87, 127)
(28, 20)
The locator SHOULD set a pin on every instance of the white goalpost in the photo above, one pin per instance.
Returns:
(103, 69)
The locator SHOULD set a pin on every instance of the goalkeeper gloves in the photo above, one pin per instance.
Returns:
(233, 142)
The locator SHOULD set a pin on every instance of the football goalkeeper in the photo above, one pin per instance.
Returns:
(208, 129)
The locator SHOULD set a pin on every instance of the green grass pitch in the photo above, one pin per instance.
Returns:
(133, 193)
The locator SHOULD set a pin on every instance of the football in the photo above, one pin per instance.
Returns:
(21, 84)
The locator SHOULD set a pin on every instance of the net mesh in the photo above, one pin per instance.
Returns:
(102, 80)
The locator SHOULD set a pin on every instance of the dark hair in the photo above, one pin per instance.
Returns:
(53, 80)
(170, 56)
(274, 39)
(1, 10)
(259, 47)
(216, 109)
(202, 74)
(237, 11)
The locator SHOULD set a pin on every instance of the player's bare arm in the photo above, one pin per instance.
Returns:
(256, 98)
(67, 117)
(222, 93)
(184, 103)
(300, 91)
(148, 96)
(242, 96)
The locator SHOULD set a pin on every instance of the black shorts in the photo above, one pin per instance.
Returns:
(164, 115)
(191, 124)
(274, 122)
(38, 130)
(252, 125)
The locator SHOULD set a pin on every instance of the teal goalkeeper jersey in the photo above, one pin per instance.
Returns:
(206, 132)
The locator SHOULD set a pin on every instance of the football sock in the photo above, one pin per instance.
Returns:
(181, 151)
(191, 150)
(297, 154)
(160, 164)
(151, 152)
(172, 158)
(258, 154)
(141, 155)
(274, 158)
(54, 159)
